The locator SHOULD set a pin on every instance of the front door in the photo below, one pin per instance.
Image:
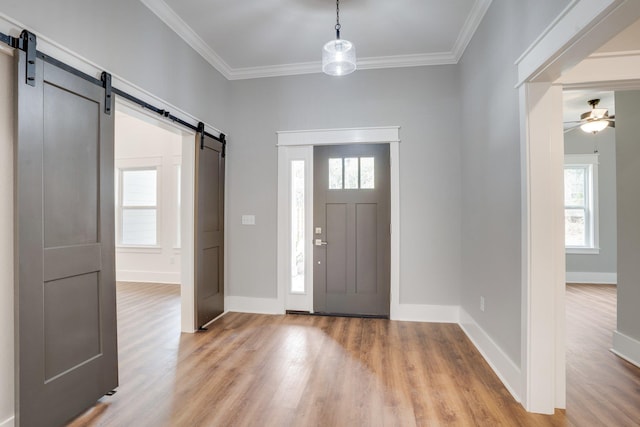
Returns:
(351, 229)
(209, 282)
(66, 350)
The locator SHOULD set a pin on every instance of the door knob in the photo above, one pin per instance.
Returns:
(319, 242)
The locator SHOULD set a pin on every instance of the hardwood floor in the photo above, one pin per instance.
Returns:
(260, 370)
(602, 388)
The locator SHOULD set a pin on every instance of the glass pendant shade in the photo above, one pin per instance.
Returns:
(338, 58)
(594, 126)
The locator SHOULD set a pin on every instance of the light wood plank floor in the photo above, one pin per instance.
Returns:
(602, 389)
(258, 370)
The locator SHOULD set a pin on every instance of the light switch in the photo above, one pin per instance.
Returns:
(248, 220)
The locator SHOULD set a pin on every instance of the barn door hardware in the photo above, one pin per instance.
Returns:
(106, 84)
(201, 131)
(26, 42)
(223, 139)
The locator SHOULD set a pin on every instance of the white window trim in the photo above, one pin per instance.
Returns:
(131, 164)
(176, 163)
(592, 161)
(298, 300)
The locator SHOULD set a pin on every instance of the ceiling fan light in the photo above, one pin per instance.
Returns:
(338, 58)
(594, 126)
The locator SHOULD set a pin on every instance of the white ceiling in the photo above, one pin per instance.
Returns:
(261, 38)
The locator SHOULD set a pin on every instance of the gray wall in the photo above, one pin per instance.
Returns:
(128, 40)
(491, 213)
(628, 177)
(424, 101)
(578, 142)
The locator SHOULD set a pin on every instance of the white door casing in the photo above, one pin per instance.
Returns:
(578, 31)
(298, 145)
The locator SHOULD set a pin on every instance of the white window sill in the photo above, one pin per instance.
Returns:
(138, 249)
(582, 251)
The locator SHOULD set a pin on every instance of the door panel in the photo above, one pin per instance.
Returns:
(209, 230)
(66, 352)
(337, 256)
(81, 323)
(366, 247)
(352, 208)
(70, 197)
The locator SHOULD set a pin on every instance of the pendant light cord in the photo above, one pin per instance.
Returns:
(338, 26)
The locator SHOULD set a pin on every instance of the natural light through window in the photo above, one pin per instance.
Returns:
(580, 203)
(367, 175)
(138, 207)
(335, 174)
(179, 206)
(351, 173)
(297, 226)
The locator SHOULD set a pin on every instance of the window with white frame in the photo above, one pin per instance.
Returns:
(138, 206)
(178, 206)
(297, 226)
(581, 203)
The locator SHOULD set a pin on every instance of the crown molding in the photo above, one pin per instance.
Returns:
(275, 70)
(398, 61)
(470, 26)
(177, 24)
(182, 29)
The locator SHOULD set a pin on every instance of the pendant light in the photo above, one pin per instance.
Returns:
(338, 56)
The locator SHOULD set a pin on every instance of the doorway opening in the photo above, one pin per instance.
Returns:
(295, 177)
(543, 71)
(154, 202)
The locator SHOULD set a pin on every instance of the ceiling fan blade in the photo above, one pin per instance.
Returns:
(569, 129)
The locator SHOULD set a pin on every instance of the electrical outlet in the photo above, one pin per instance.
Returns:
(481, 303)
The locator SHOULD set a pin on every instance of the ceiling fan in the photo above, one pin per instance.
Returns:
(593, 121)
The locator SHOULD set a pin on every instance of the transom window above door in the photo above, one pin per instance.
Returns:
(351, 173)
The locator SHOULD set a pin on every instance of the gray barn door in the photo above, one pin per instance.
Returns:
(209, 236)
(351, 229)
(66, 350)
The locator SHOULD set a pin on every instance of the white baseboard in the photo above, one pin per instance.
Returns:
(626, 347)
(9, 422)
(425, 313)
(148, 276)
(253, 305)
(592, 277)
(508, 372)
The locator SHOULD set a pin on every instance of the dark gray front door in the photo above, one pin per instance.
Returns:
(66, 350)
(351, 229)
(209, 230)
